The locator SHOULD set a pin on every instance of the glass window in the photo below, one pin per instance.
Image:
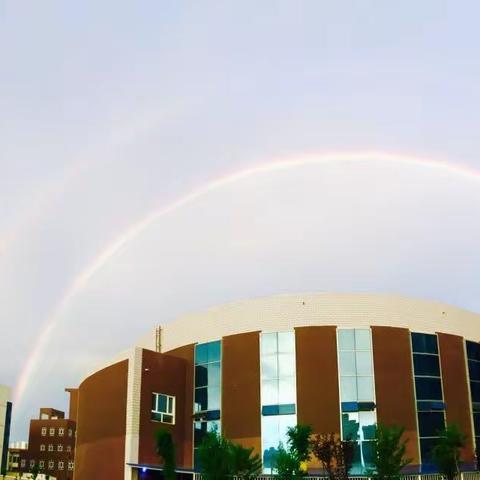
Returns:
(426, 447)
(201, 375)
(363, 363)
(473, 350)
(52, 432)
(428, 388)
(424, 343)
(350, 426)
(268, 343)
(287, 391)
(426, 365)
(274, 429)
(269, 366)
(475, 391)
(346, 339)
(430, 423)
(163, 408)
(270, 392)
(365, 389)
(347, 363)
(474, 370)
(201, 353)
(286, 365)
(362, 339)
(214, 351)
(348, 389)
(286, 342)
(44, 431)
(213, 402)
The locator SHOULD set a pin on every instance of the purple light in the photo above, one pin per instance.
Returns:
(144, 469)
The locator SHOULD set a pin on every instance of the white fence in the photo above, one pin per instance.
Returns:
(429, 476)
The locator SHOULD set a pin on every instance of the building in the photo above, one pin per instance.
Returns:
(51, 442)
(15, 451)
(338, 362)
(5, 419)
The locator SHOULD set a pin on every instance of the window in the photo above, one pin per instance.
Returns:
(60, 465)
(69, 448)
(357, 393)
(50, 447)
(163, 408)
(429, 395)
(59, 448)
(61, 431)
(23, 462)
(44, 431)
(42, 448)
(32, 463)
(52, 432)
(70, 465)
(473, 357)
(51, 464)
(207, 403)
(41, 464)
(278, 392)
(69, 432)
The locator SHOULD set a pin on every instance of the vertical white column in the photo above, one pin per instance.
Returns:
(132, 430)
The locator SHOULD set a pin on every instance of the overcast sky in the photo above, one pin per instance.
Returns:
(111, 110)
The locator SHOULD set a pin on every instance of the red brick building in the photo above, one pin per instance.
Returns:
(51, 443)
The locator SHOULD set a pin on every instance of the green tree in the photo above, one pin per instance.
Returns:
(289, 461)
(220, 458)
(35, 471)
(389, 452)
(243, 463)
(166, 450)
(447, 451)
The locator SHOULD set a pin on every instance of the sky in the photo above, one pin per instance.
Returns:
(116, 117)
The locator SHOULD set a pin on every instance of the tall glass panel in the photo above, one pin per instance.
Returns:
(207, 394)
(357, 393)
(278, 392)
(429, 395)
(473, 358)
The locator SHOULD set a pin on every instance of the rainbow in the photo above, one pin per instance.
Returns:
(81, 280)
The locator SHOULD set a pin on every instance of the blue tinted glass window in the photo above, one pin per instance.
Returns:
(350, 426)
(473, 350)
(430, 423)
(427, 365)
(475, 391)
(476, 423)
(424, 343)
(346, 339)
(201, 399)
(426, 447)
(201, 376)
(428, 388)
(214, 374)
(362, 339)
(213, 402)
(214, 351)
(474, 370)
(201, 353)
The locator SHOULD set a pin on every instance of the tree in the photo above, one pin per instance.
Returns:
(335, 455)
(220, 458)
(34, 471)
(243, 463)
(389, 452)
(289, 462)
(166, 450)
(446, 453)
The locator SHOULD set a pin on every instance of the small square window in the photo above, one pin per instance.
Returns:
(50, 448)
(41, 464)
(69, 448)
(52, 432)
(42, 448)
(23, 462)
(59, 448)
(44, 431)
(70, 465)
(51, 464)
(32, 463)
(61, 431)
(60, 465)
(70, 432)
(163, 408)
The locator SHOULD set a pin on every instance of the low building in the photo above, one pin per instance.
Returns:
(5, 419)
(51, 442)
(340, 363)
(15, 451)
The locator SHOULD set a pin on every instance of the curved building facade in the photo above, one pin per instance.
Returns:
(340, 363)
